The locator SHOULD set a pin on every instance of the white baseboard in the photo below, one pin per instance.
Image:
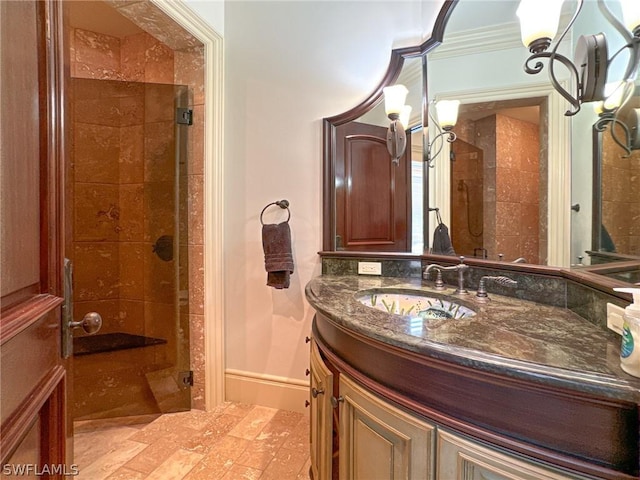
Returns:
(266, 390)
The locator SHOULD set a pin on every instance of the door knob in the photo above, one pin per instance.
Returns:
(90, 323)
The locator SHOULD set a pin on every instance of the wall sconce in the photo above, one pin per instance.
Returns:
(447, 113)
(398, 113)
(633, 122)
(539, 24)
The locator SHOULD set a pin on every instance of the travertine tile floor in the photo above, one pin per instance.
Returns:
(236, 441)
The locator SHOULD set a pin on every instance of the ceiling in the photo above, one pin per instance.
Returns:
(99, 17)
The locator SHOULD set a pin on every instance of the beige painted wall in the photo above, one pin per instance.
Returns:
(287, 66)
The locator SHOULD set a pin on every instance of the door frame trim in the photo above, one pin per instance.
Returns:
(214, 347)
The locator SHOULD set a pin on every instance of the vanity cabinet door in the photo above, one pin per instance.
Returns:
(321, 416)
(379, 441)
(463, 459)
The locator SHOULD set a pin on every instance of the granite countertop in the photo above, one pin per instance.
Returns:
(507, 336)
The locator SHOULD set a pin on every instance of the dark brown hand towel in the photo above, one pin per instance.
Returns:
(278, 260)
(441, 241)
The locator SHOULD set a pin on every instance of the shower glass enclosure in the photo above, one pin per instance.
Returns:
(127, 236)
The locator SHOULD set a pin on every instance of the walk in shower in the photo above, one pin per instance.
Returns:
(467, 199)
(127, 236)
(498, 185)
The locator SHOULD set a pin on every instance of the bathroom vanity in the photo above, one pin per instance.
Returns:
(524, 386)
(510, 389)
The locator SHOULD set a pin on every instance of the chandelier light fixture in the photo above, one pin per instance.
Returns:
(447, 116)
(539, 20)
(395, 108)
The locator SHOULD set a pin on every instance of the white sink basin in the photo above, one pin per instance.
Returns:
(414, 304)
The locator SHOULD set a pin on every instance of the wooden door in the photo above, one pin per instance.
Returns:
(34, 382)
(373, 196)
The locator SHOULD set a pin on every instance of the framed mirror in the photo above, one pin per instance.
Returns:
(498, 191)
(517, 184)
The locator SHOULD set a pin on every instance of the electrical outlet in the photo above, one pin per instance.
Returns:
(614, 318)
(369, 268)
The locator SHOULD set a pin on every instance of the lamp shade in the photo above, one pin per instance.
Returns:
(405, 114)
(447, 113)
(616, 94)
(539, 19)
(598, 107)
(631, 14)
(394, 98)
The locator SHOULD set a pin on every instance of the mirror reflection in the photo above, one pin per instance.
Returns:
(379, 202)
(498, 182)
(518, 184)
(501, 195)
(616, 203)
(602, 186)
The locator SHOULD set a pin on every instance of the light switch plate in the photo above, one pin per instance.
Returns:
(369, 268)
(614, 318)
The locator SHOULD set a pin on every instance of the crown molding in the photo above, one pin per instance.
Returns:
(479, 40)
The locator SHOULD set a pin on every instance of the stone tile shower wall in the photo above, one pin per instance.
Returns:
(517, 189)
(507, 151)
(109, 198)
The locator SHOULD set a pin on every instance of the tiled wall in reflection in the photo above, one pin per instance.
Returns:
(517, 189)
(496, 188)
(620, 200)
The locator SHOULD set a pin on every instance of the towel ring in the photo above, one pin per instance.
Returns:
(282, 204)
(438, 216)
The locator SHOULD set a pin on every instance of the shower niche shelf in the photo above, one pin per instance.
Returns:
(111, 342)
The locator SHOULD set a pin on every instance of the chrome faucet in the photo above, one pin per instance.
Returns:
(439, 285)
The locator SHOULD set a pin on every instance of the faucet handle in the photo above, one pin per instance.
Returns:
(481, 294)
(439, 284)
(504, 281)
